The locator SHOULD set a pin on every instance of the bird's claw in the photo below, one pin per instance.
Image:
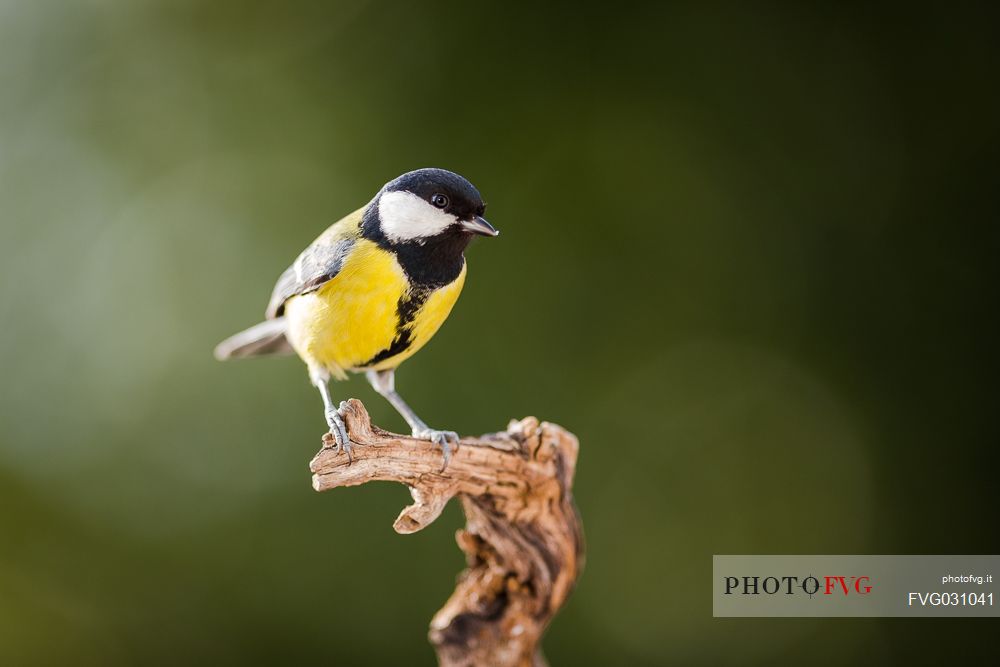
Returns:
(335, 419)
(443, 439)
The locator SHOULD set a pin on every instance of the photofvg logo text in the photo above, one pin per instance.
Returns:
(795, 585)
(855, 585)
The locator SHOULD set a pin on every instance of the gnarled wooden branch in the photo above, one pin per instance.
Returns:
(523, 538)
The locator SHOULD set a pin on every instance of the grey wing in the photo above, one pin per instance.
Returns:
(317, 264)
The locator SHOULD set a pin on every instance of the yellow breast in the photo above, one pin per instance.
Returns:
(353, 320)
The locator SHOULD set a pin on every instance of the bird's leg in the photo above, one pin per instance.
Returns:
(384, 383)
(333, 417)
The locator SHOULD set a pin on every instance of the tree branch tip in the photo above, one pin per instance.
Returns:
(523, 539)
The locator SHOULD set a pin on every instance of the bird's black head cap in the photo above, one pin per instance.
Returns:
(463, 199)
(427, 218)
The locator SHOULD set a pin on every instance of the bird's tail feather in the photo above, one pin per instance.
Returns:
(261, 339)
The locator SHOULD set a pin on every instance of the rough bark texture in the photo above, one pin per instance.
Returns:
(523, 539)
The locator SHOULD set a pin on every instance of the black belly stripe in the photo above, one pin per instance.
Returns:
(406, 312)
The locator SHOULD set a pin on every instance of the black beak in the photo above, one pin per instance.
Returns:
(478, 225)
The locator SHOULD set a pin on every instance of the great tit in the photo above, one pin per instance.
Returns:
(372, 290)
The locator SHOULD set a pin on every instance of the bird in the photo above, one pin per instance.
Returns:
(372, 290)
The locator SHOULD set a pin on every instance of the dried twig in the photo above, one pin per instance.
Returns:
(523, 538)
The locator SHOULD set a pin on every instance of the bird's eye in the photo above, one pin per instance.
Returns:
(439, 200)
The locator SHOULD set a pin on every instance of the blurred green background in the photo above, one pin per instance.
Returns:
(745, 257)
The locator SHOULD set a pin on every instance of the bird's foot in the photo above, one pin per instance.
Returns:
(335, 419)
(444, 439)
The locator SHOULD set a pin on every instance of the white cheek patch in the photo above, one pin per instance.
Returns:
(407, 217)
